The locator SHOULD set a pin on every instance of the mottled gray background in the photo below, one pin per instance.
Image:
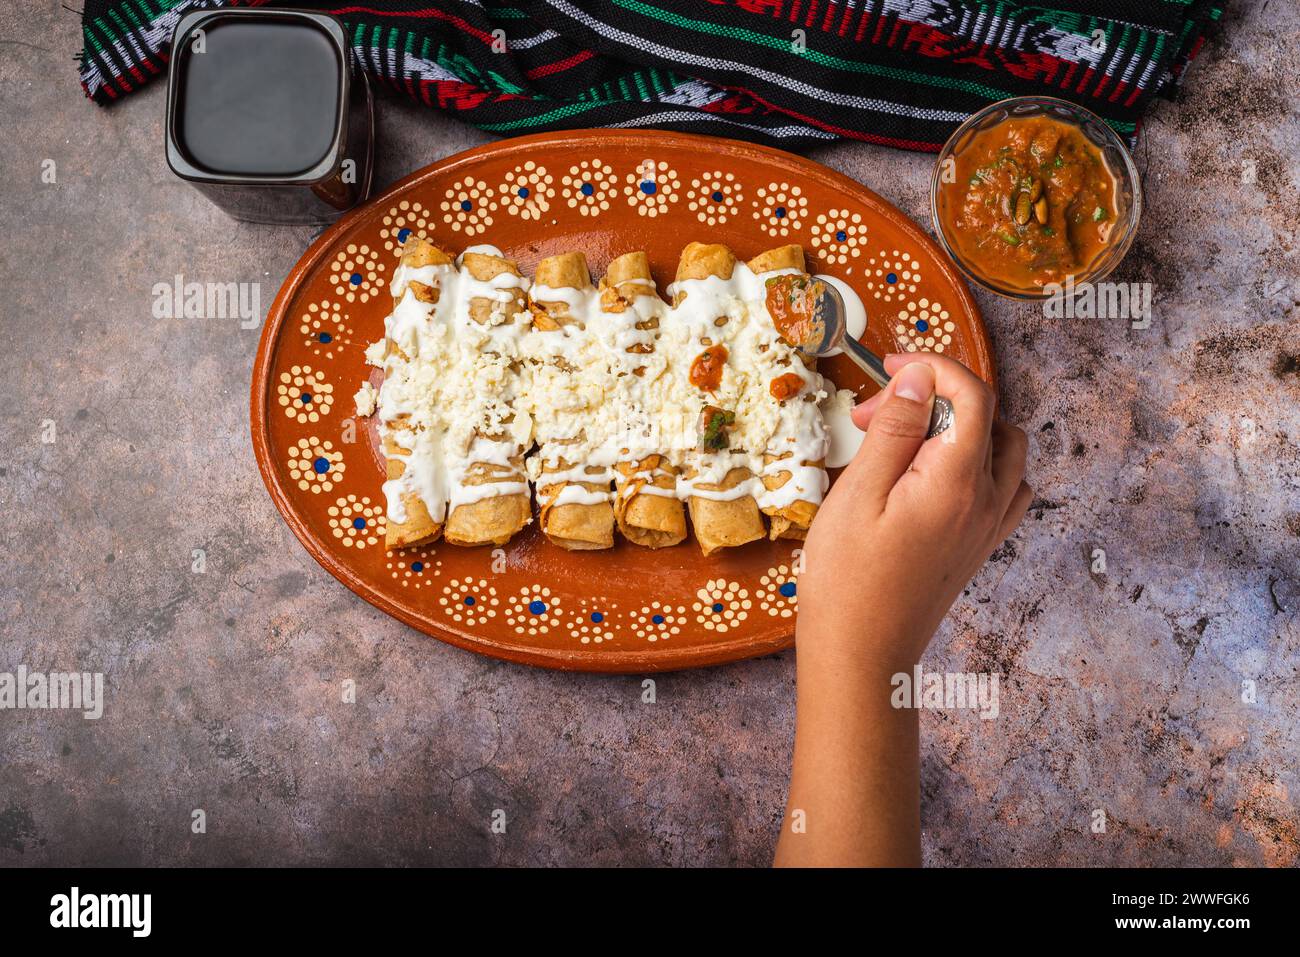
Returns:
(1173, 448)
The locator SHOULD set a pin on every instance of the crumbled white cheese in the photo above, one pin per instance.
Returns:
(366, 399)
(464, 393)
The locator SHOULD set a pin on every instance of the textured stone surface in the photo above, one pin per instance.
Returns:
(1173, 448)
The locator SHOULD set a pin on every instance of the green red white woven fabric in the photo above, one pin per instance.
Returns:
(788, 72)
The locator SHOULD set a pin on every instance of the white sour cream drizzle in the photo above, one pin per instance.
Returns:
(450, 383)
(583, 399)
(846, 438)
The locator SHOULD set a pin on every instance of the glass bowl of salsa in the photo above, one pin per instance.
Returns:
(1033, 194)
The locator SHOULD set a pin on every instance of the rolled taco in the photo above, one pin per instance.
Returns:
(723, 510)
(416, 506)
(646, 506)
(573, 496)
(489, 488)
(794, 463)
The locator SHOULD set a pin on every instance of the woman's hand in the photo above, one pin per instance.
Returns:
(910, 521)
(906, 526)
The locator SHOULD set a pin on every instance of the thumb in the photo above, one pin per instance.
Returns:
(898, 426)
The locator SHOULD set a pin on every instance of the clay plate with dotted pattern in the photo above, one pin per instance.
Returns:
(605, 193)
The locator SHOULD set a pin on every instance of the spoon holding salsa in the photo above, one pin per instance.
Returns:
(809, 313)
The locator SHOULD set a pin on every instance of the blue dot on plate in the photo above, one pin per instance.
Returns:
(717, 606)
(780, 212)
(586, 189)
(402, 235)
(787, 589)
(523, 192)
(717, 195)
(537, 607)
(597, 617)
(657, 619)
(321, 465)
(417, 567)
(922, 325)
(469, 599)
(648, 187)
(466, 205)
(358, 523)
(355, 279)
(841, 235)
(305, 398)
(326, 338)
(891, 278)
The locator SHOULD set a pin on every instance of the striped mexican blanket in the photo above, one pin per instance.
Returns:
(788, 72)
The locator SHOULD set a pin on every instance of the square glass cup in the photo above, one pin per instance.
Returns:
(266, 117)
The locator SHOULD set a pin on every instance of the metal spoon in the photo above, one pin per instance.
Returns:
(829, 320)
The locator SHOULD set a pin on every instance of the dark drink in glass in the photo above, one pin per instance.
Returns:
(266, 117)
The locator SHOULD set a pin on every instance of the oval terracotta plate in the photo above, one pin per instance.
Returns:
(628, 609)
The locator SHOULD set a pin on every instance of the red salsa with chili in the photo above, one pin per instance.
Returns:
(706, 370)
(1028, 202)
(786, 386)
(791, 302)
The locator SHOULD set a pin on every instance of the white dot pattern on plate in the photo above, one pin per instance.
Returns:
(355, 522)
(780, 209)
(469, 601)
(315, 464)
(839, 236)
(657, 621)
(535, 610)
(592, 624)
(651, 188)
(323, 329)
(527, 191)
(715, 197)
(403, 221)
(777, 593)
(924, 326)
(892, 276)
(721, 605)
(414, 567)
(468, 206)
(589, 186)
(304, 394)
(356, 273)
